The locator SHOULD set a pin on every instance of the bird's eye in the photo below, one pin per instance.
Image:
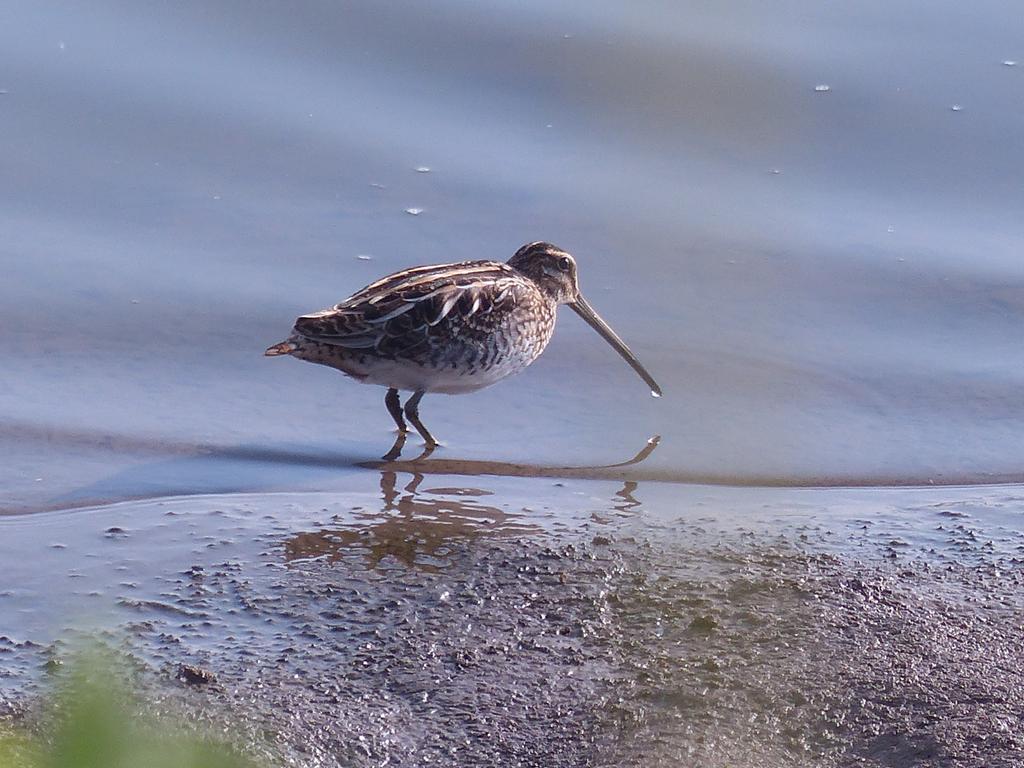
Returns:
(564, 264)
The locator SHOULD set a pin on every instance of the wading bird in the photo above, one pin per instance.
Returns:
(449, 328)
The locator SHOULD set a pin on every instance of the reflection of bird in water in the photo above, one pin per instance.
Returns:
(627, 501)
(431, 523)
(422, 534)
(449, 328)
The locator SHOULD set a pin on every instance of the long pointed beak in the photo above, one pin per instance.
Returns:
(584, 310)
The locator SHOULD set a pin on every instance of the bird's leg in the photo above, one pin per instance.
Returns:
(412, 413)
(395, 409)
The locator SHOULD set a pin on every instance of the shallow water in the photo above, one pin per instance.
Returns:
(92, 562)
(598, 623)
(827, 284)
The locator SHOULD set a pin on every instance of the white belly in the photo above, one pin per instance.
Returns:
(414, 378)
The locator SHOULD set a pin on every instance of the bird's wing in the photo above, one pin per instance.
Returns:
(397, 312)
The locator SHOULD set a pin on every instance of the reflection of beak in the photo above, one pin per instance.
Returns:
(584, 310)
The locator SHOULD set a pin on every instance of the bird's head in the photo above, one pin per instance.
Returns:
(551, 268)
(554, 272)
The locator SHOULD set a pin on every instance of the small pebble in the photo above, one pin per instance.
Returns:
(193, 675)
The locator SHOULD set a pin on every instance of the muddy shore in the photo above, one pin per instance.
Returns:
(498, 643)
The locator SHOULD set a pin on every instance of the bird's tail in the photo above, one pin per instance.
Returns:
(283, 348)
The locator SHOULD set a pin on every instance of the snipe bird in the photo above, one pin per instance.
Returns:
(449, 328)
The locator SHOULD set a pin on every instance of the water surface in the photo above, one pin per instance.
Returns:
(827, 283)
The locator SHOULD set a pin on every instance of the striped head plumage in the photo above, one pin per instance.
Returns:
(552, 269)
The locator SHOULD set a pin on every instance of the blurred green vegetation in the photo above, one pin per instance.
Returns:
(94, 722)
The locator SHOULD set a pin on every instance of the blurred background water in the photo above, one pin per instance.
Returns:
(804, 218)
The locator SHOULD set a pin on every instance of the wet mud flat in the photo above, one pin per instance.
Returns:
(484, 639)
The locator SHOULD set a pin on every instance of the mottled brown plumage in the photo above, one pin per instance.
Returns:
(448, 328)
